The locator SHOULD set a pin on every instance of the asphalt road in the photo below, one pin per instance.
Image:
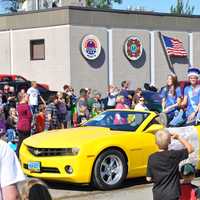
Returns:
(134, 189)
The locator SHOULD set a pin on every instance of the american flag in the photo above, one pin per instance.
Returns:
(174, 47)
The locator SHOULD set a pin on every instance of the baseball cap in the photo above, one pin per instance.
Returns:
(188, 169)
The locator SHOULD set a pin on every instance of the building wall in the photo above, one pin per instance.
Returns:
(5, 65)
(54, 70)
(85, 73)
(138, 72)
(63, 30)
(196, 48)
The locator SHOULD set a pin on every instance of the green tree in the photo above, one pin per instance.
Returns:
(182, 8)
(102, 3)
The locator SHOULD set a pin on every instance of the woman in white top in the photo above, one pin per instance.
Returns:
(140, 104)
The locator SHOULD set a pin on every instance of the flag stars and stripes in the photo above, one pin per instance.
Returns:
(174, 47)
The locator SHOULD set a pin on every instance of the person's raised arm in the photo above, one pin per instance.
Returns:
(186, 144)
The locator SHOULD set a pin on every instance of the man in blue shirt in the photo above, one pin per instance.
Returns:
(125, 94)
(192, 96)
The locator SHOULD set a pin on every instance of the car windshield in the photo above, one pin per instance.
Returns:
(118, 120)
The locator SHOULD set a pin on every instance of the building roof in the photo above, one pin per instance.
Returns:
(83, 16)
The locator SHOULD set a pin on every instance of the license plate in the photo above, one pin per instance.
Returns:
(34, 166)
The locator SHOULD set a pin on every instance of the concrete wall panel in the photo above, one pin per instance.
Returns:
(86, 73)
(196, 49)
(54, 69)
(138, 72)
(5, 66)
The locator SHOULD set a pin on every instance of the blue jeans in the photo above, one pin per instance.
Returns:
(11, 134)
(178, 118)
(34, 109)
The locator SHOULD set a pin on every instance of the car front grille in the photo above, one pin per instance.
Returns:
(47, 151)
(46, 169)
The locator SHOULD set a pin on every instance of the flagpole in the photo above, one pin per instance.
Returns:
(166, 54)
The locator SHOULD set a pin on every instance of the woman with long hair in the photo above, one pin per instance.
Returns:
(171, 100)
(24, 121)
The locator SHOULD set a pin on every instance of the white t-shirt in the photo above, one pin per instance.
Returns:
(33, 96)
(10, 169)
(140, 107)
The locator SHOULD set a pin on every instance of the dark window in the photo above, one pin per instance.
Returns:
(119, 120)
(37, 49)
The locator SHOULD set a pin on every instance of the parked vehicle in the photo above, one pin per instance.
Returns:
(19, 82)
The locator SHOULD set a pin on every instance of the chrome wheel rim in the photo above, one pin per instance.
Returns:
(111, 169)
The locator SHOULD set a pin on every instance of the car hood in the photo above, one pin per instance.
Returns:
(73, 137)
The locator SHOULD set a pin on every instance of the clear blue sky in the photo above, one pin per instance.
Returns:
(155, 5)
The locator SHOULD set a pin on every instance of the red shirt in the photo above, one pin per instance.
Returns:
(40, 122)
(24, 117)
(188, 192)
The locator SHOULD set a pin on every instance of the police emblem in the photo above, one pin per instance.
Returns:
(133, 48)
(91, 47)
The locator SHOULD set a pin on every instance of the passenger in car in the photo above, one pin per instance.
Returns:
(171, 101)
(191, 99)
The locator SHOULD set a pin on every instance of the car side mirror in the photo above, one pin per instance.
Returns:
(153, 128)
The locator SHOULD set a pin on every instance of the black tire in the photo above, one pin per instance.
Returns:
(99, 181)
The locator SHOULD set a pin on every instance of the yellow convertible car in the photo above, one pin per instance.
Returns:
(104, 151)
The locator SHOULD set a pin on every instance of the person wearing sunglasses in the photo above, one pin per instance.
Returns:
(140, 104)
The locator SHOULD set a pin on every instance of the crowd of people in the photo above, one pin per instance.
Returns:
(27, 113)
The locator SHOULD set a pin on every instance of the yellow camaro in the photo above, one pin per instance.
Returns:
(105, 151)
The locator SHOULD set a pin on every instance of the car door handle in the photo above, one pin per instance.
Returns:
(137, 149)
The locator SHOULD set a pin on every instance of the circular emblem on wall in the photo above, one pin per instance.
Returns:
(133, 48)
(91, 47)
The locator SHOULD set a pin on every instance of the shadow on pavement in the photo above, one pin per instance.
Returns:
(78, 187)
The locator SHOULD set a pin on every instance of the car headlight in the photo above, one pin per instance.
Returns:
(72, 151)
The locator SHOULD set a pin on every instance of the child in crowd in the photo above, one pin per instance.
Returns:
(11, 125)
(163, 166)
(62, 110)
(34, 189)
(82, 107)
(51, 114)
(40, 119)
(188, 190)
(97, 106)
(140, 104)
(120, 100)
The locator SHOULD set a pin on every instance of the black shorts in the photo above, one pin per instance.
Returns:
(61, 117)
